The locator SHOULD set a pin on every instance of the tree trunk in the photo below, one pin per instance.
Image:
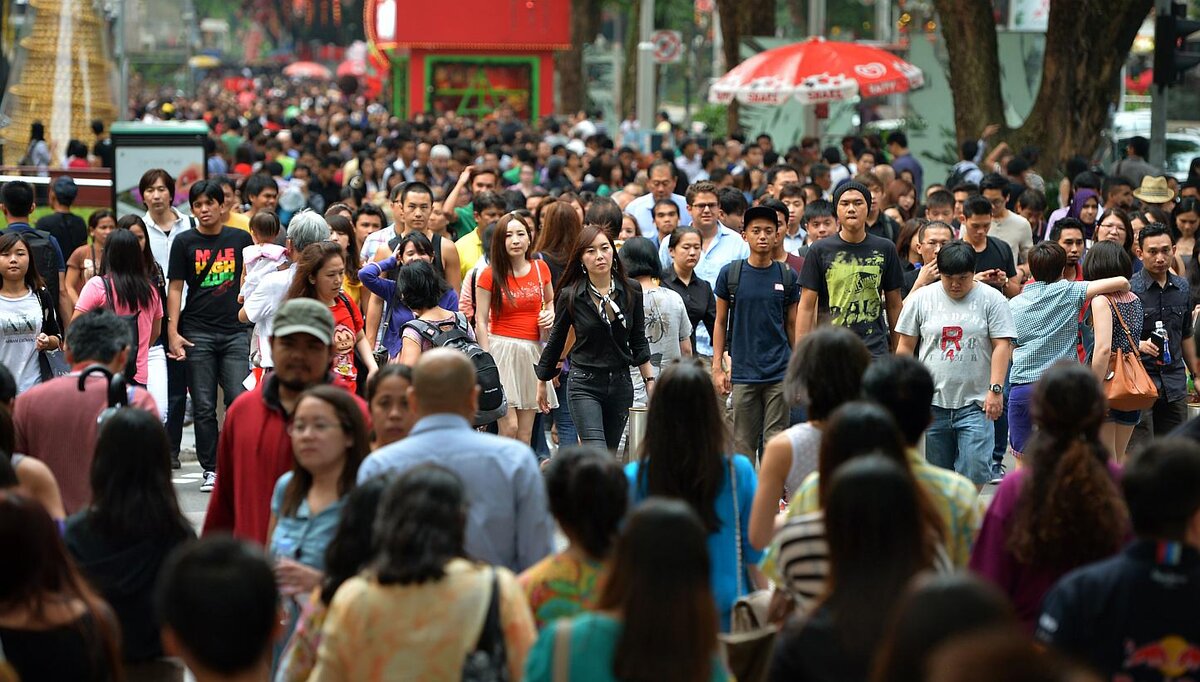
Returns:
(731, 38)
(758, 17)
(572, 86)
(1086, 45)
(629, 77)
(1080, 81)
(970, 34)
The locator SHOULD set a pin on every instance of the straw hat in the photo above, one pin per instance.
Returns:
(1154, 190)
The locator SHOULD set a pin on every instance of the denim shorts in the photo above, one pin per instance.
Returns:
(1125, 417)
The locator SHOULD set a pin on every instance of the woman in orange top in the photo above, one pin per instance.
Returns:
(513, 305)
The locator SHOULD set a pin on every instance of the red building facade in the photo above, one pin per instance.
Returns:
(470, 56)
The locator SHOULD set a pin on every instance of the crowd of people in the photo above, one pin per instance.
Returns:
(430, 337)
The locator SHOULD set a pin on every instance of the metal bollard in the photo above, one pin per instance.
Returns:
(637, 431)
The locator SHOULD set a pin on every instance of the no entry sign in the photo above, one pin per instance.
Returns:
(668, 47)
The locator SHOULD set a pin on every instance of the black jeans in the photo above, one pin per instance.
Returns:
(599, 401)
(177, 385)
(212, 358)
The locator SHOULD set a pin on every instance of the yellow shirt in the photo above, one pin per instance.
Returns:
(239, 220)
(354, 291)
(420, 631)
(470, 250)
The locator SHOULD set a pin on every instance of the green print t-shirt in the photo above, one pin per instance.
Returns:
(211, 302)
(850, 281)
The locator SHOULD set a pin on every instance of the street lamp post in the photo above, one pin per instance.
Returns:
(645, 73)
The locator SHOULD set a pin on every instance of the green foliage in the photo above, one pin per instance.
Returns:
(715, 120)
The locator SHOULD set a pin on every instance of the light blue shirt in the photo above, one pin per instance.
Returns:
(727, 247)
(642, 210)
(302, 536)
(508, 520)
(1047, 320)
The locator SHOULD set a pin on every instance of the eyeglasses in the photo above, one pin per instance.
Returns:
(704, 207)
(298, 428)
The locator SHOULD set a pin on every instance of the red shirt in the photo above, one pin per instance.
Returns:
(253, 452)
(519, 315)
(347, 325)
(56, 423)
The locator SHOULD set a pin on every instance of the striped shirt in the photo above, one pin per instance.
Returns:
(955, 498)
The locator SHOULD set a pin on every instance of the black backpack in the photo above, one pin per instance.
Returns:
(958, 175)
(786, 275)
(454, 334)
(44, 258)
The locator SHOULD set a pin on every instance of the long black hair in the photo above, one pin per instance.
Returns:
(421, 526)
(353, 543)
(877, 543)
(588, 495)
(152, 268)
(660, 583)
(125, 269)
(683, 451)
(574, 275)
(132, 494)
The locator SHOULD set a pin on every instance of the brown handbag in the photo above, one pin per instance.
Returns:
(1127, 385)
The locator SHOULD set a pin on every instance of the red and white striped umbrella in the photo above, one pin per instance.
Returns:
(813, 71)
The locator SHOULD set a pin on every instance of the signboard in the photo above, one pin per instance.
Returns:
(668, 47)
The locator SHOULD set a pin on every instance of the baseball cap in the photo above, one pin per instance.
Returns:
(65, 189)
(304, 316)
(760, 212)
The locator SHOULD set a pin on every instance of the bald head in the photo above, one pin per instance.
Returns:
(443, 381)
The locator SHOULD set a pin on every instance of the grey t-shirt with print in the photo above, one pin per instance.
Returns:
(956, 339)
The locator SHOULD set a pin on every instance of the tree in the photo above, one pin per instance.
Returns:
(572, 86)
(1087, 43)
(742, 18)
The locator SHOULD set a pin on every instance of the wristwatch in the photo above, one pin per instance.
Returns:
(996, 388)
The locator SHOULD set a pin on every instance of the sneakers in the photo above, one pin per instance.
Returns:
(175, 463)
(210, 480)
(997, 474)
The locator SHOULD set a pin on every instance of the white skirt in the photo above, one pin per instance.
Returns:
(515, 359)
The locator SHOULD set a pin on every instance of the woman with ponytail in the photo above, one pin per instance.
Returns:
(588, 494)
(1064, 508)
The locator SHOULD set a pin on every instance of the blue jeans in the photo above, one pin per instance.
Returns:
(599, 401)
(562, 416)
(1001, 444)
(213, 358)
(961, 440)
(177, 387)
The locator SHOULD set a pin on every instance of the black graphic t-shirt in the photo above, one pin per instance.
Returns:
(211, 304)
(850, 281)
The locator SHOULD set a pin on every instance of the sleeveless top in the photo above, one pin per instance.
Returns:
(806, 443)
(1131, 311)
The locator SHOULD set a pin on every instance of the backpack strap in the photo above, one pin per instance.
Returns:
(346, 302)
(731, 285)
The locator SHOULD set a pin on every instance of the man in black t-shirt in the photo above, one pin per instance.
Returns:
(208, 334)
(994, 262)
(853, 275)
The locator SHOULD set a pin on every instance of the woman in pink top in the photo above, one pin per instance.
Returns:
(1063, 509)
(128, 289)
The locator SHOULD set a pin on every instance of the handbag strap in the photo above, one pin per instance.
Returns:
(1120, 318)
(562, 650)
(737, 526)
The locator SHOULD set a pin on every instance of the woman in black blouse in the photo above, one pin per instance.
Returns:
(605, 309)
(697, 294)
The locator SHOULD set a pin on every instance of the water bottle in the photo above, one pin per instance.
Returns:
(1164, 343)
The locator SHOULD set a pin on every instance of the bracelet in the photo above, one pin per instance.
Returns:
(647, 380)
